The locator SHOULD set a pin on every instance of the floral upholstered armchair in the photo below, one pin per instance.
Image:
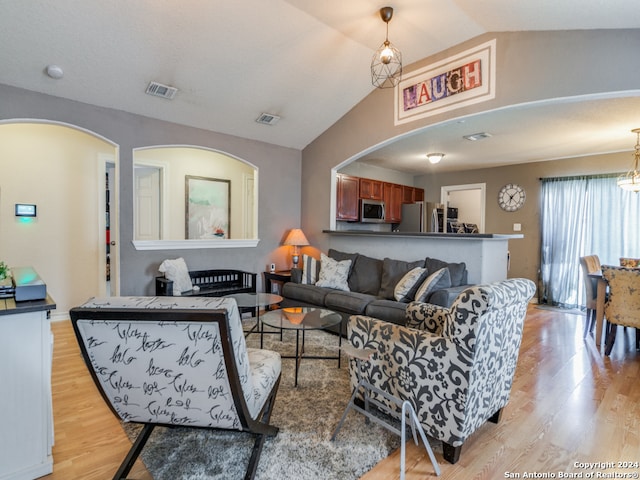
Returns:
(178, 361)
(454, 365)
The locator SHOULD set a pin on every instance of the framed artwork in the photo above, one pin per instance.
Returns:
(207, 208)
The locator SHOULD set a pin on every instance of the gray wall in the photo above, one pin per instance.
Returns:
(531, 67)
(279, 185)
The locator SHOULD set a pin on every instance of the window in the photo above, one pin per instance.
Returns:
(583, 216)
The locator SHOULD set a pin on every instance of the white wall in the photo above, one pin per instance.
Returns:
(56, 168)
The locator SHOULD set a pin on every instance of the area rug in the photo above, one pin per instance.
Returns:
(306, 415)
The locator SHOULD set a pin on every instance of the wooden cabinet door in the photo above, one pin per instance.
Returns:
(371, 189)
(418, 194)
(347, 201)
(408, 194)
(393, 202)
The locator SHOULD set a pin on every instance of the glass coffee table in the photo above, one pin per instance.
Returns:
(255, 301)
(302, 319)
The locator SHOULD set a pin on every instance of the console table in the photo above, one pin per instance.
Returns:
(26, 416)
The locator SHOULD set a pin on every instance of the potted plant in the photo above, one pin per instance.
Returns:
(4, 270)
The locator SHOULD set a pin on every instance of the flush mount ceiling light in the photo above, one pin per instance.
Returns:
(435, 157)
(631, 180)
(386, 64)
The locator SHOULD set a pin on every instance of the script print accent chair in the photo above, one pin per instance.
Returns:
(623, 304)
(177, 362)
(454, 365)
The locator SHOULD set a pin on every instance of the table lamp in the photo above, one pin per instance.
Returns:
(296, 239)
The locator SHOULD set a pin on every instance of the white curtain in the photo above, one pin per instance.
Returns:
(584, 216)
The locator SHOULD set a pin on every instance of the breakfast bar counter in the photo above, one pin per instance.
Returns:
(486, 255)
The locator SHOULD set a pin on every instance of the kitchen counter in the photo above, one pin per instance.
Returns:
(486, 255)
(430, 235)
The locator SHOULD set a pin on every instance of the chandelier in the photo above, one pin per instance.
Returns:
(631, 180)
(386, 64)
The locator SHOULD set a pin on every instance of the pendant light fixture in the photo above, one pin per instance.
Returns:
(631, 180)
(386, 64)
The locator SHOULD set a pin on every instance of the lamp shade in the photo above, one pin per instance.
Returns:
(296, 238)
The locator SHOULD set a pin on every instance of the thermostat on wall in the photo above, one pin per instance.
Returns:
(25, 210)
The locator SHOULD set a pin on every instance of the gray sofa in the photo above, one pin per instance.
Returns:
(371, 288)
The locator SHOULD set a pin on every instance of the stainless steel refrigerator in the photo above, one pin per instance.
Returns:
(412, 218)
(434, 216)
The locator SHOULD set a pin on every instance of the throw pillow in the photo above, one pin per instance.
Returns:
(310, 267)
(333, 274)
(392, 273)
(406, 284)
(341, 256)
(430, 284)
(177, 271)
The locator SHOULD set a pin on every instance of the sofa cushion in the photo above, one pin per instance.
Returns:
(349, 302)
(310, 270)
(388, 310)
(458, 271)
(432, 283)
(392, 273)
(309, 294)
(365, 275)
(446, 296)
(334, 273)
(408, 285)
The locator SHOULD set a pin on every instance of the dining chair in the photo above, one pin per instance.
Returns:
(590, 264)
(623, 304)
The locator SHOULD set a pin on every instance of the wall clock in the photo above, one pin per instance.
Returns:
(511, 197)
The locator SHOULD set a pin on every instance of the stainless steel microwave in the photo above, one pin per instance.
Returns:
(371, 211)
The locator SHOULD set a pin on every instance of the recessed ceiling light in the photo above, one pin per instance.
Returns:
(477, 136)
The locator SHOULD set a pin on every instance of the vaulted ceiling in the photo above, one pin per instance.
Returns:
(306, 61)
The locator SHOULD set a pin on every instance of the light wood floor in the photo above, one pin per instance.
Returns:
(568, 404)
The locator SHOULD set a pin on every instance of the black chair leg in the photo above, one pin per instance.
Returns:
(134, 452)
(450, 453)
(610, 338)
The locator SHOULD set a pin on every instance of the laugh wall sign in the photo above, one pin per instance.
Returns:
(458, 81)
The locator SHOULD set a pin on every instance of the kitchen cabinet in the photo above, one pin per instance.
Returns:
(408, 194)
(393, 202)
(418, 194)
(347, 197)
(371, 189)
(26, 413)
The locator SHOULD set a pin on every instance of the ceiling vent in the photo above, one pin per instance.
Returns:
(268, 119)
(159, 90)
(477, 136)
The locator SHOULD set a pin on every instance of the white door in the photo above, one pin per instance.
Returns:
(147, 203)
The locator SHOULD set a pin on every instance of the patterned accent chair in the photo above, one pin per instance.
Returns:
(623, 304)
(177, 361)
(454, 365)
